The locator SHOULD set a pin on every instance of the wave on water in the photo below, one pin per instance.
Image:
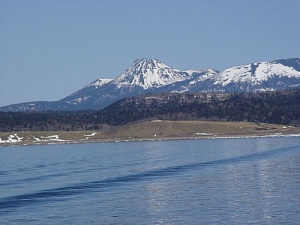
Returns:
(57, 194)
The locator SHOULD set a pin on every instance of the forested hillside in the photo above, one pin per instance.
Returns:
(270, 107)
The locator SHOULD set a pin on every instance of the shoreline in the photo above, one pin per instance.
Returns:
(155, 130)
(102, 141)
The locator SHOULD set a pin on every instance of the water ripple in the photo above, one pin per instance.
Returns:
(57, 194)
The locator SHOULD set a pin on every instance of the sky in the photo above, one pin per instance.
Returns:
(52, 48)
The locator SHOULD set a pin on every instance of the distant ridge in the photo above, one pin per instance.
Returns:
(153, 76)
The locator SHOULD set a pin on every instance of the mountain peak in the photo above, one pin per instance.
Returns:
(148, 64)
(146, 60)
(258, 73)
(149, 73)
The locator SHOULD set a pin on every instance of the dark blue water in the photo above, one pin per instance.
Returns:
(224, 181)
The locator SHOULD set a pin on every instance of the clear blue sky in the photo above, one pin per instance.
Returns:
(51, 48)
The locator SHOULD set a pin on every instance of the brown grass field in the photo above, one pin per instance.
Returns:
(151, 130)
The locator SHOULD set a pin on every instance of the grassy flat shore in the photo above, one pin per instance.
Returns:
(150, 130)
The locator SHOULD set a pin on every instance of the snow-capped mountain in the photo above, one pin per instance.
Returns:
(264, 76)
(150, 73)
(152, 76)
(144, 75)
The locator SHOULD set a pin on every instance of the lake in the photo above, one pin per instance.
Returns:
(216, 181)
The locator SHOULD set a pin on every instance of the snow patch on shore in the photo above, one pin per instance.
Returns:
(203, 134)
(90, 135)
(13, 138)
(48, 138)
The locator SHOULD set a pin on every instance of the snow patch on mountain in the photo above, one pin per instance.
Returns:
(99, 82)
(266, 70)
(78, 100)
(205, 75)
(255, 73)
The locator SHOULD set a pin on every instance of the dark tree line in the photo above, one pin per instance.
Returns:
(271, 107)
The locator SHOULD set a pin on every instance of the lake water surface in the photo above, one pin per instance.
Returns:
(222, 181)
